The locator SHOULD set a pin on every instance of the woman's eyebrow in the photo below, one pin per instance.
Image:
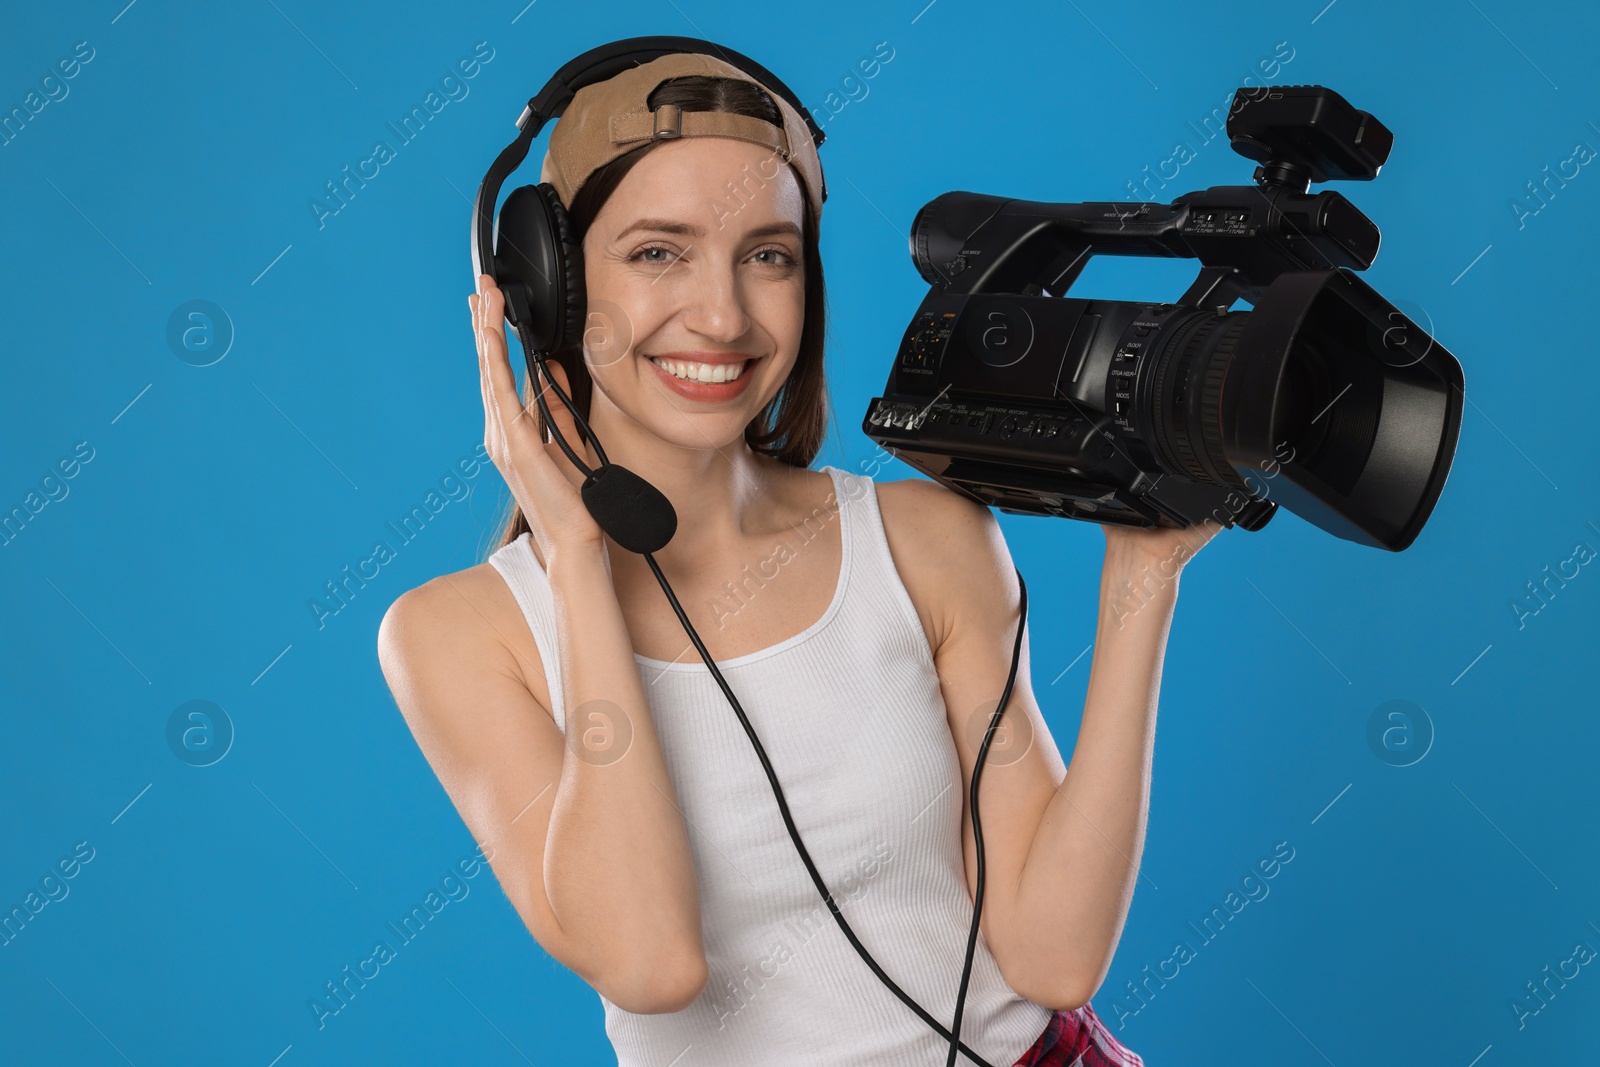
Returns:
(688, 230)
(772, 229)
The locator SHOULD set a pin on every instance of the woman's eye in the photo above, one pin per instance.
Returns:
(785, 259)
(644, 254)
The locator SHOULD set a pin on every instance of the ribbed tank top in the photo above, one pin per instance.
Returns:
(853, 721)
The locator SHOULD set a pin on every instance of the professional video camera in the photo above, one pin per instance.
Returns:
(1325, 397)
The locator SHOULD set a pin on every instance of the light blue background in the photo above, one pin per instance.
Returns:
(179, 567)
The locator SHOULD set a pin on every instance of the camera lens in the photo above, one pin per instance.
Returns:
(1182, 404)
(1300, 387)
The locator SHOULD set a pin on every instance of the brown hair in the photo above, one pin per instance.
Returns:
(790, 428)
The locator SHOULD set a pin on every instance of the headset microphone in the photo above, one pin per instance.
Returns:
(634, 512)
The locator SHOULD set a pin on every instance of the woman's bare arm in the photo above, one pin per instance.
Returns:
(588, 842)
(1078, 877)
(1061, 847)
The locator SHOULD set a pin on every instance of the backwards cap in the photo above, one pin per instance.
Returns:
(609, 118)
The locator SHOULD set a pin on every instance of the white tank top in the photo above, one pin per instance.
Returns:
(853, 721)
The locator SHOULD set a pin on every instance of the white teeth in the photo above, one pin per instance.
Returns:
(700, 372)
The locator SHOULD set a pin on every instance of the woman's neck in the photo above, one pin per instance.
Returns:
(725, 497)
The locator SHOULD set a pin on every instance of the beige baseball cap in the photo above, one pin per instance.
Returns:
(609, 118)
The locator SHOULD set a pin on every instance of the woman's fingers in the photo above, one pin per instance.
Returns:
(482, 340)
(545, 485)
(474, 303)
(492, 338)
(513, 420)
(516, 426)
(500, 404)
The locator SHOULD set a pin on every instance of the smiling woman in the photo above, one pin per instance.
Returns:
(638, 836)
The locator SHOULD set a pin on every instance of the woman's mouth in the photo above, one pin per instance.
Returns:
(704, 381)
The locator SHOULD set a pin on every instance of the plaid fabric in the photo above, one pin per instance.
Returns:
(1078, 1039)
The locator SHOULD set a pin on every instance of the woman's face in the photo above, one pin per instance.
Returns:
(696, 258)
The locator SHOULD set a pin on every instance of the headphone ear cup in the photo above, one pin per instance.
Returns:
(539, 266)
(571, 307)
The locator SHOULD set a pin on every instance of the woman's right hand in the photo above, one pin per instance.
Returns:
(541, 477)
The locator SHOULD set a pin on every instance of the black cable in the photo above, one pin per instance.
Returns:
(977, 824)
(537, 360)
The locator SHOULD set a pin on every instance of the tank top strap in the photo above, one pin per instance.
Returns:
(877, 586)
(530, 587)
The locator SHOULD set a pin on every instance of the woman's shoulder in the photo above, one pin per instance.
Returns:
(925, 506)
(466, 619)
(468, 589)
(933, 533)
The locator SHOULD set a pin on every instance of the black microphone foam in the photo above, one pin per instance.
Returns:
(633, 512)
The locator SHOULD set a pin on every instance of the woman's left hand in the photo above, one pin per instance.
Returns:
(1164, 548)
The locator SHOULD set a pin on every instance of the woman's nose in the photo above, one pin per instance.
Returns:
(717, 306)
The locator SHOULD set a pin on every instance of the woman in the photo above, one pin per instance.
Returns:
(866, 628)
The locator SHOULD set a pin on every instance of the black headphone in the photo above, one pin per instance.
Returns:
(537, 262)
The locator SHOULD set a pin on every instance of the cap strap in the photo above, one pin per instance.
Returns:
(668, 121)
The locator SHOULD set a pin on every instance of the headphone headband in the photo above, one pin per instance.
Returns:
(597, 65)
